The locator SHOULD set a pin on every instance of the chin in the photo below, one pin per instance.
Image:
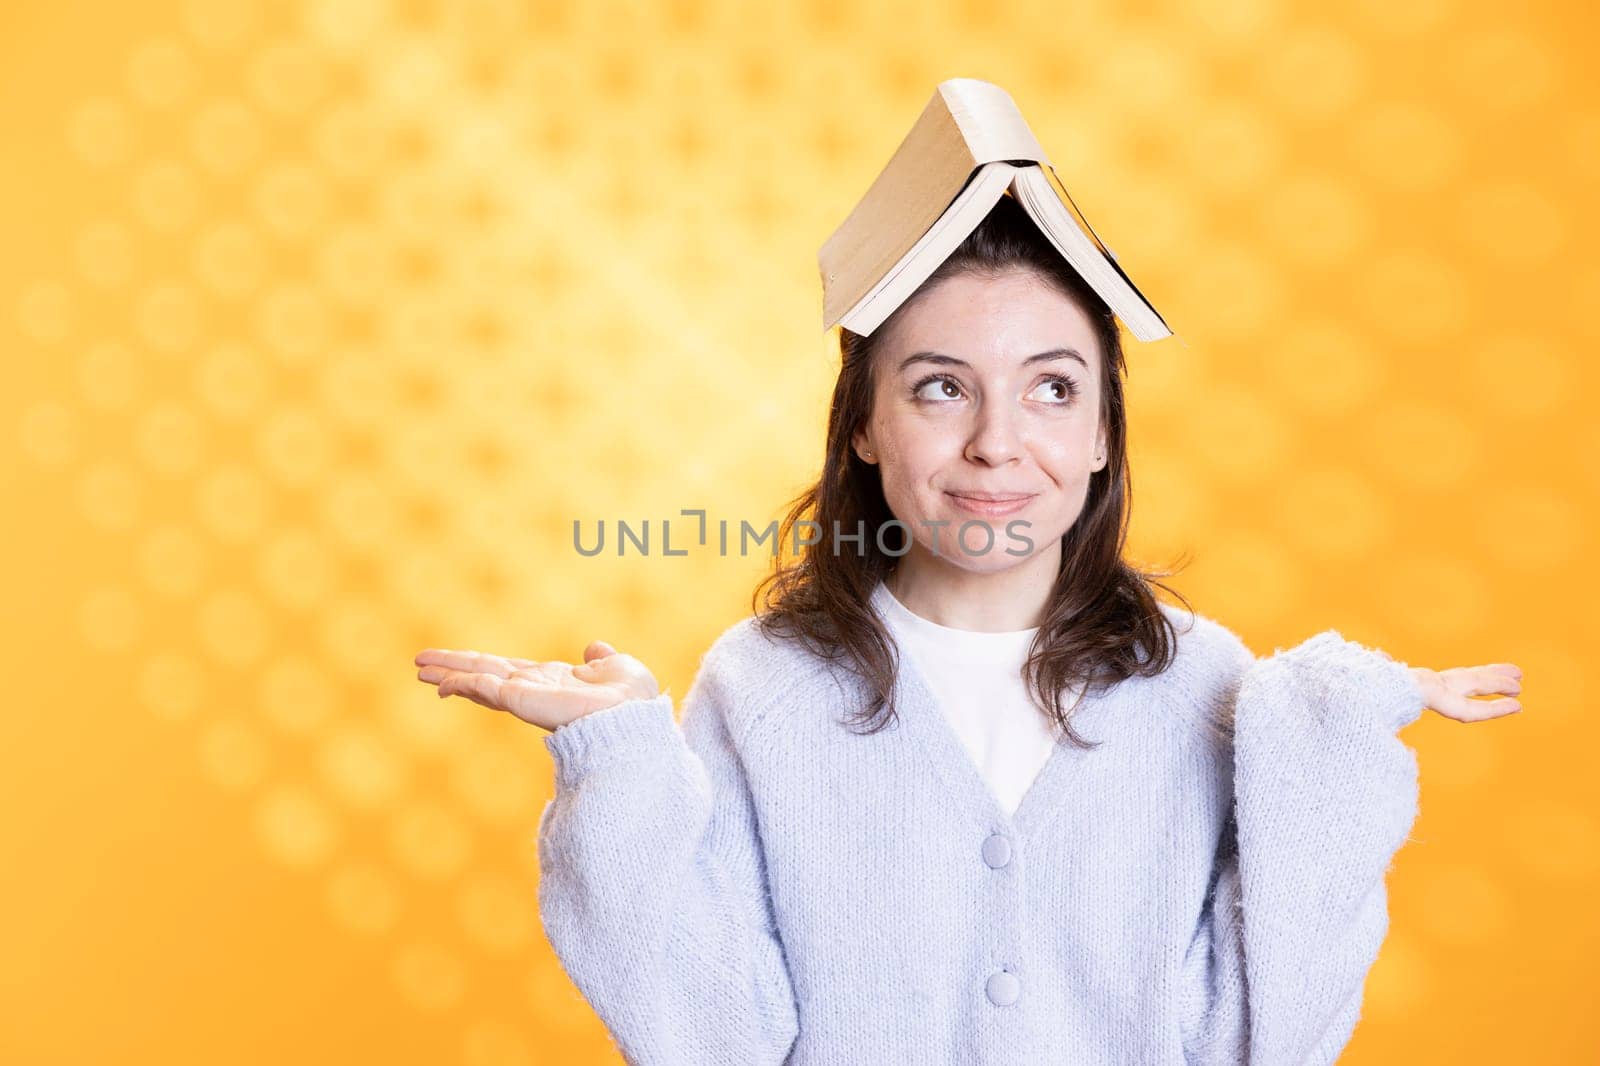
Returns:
(996, 563)
(993, 560)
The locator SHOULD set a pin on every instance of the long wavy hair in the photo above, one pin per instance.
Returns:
(1102, 622)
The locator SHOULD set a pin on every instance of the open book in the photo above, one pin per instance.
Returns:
(968, 148)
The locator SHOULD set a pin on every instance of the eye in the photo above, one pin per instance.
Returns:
(939, 395)
(1066, 390)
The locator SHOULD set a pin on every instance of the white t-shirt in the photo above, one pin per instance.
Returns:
(977, 679)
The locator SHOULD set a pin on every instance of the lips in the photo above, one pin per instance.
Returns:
(992, 497)
(990, 504)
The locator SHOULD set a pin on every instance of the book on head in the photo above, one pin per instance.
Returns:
(969, 147)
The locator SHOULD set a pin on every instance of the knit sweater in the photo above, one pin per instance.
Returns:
(759, 884)
(977, 680)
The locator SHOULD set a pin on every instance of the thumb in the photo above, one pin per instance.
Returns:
(598, 649)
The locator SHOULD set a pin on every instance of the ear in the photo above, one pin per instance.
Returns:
(1100, 450)
(862, 444)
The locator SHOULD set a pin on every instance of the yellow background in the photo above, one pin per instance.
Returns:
(321, 324)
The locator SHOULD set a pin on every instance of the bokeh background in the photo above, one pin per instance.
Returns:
(323, 321)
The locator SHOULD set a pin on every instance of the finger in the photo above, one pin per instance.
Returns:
(435, 674)
(471, 661)
(480, 701)
(1463, 709)
(1496, 708)
(601, 669)
(1482, 681)
(480, 688)
(598, 649)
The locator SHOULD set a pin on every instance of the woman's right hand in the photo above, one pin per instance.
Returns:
(548, 694)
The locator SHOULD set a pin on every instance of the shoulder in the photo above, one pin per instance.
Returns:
(1204, 645)
(752, 674)
(1207, 668)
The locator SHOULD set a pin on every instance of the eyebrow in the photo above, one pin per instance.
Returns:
(941, 359)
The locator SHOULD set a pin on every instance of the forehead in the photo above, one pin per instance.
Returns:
(990, 321)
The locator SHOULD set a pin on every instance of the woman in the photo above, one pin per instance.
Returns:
(965, 791)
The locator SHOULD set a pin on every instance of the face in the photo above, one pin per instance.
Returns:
(983, 414)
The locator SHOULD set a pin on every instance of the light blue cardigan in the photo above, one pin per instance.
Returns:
(760, 885)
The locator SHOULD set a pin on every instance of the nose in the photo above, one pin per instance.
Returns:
(994, 439)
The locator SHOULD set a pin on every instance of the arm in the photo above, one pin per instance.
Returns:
(652, 884)
(1324, 794)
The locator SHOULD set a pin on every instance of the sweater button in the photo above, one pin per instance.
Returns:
(1003, 989)
(996, 851)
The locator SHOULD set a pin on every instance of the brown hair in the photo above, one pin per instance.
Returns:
(1101, 612)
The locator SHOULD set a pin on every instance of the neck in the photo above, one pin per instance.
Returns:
(1000, 601)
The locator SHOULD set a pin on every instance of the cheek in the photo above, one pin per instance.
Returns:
(911, 473)
(908, 446)
(925, 442)
(904, 486)
(915, 460)
(1066, 455)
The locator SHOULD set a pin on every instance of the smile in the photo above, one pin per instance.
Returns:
(991, 505)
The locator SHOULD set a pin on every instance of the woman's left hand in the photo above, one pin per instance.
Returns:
(1448, 691)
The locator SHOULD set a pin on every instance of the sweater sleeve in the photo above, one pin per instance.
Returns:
(652, 884)
(1324, 795)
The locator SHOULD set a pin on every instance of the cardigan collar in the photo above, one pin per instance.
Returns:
(918, 708)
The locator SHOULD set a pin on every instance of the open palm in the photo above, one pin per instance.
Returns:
(1449, 692)
(549, 693)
